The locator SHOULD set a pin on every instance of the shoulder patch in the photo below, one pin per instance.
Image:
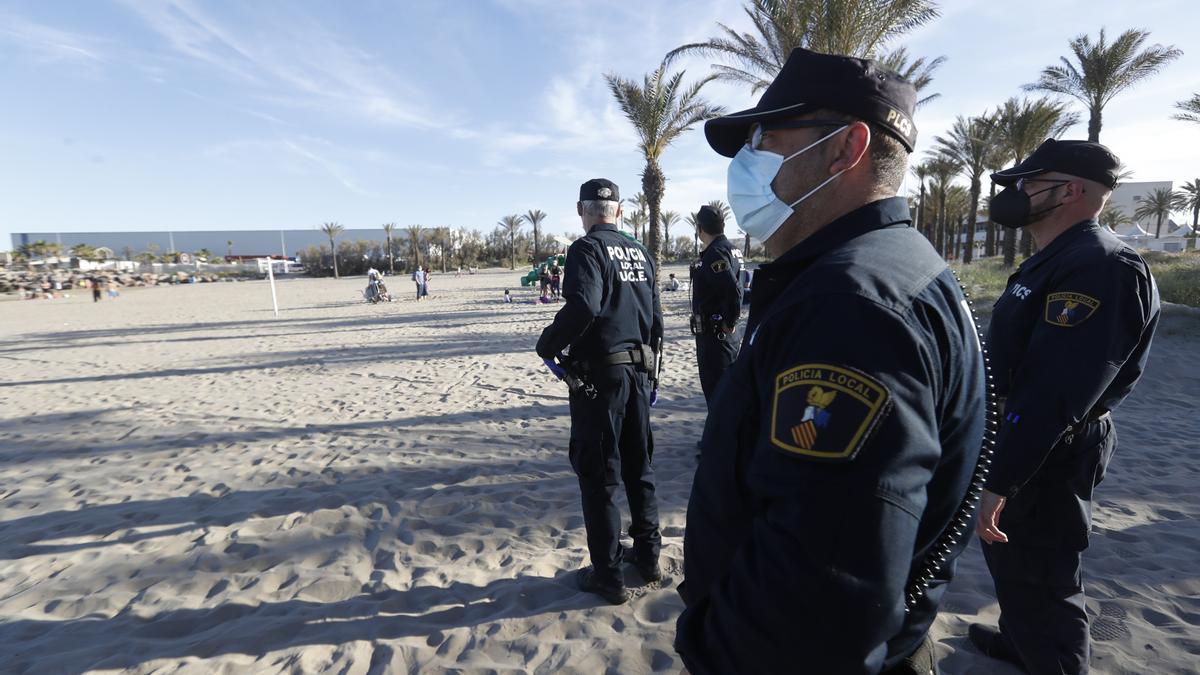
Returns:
(826, 412)
(1069, 309)
(719, 266)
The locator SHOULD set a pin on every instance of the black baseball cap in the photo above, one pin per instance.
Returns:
(599, 189)
(1085, 159)
(709, 218)
(809, 81)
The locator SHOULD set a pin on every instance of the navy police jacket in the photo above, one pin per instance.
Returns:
(840, 445)
(1068, 341)
(611, 298)
(716, 283)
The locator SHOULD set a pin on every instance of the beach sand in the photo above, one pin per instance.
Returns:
(189, 484)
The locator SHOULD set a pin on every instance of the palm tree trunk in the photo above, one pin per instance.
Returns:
(653, 186)
(989, 243)
(536, 244)
(1158, 227)
(1094, 123)
(969, 253)
(391, 258)
(333, 250)
(512, 247)
(921, 210)
(940, 236)
(1010, 247)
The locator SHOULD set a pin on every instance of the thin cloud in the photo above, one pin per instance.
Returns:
(47, 42)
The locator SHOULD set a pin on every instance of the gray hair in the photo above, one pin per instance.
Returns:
(604, 209)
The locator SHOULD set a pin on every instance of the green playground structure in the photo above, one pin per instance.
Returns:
(532, 276)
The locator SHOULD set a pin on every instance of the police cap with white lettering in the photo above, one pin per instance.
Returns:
(1085, 159)
(809, 81)
(599, 189)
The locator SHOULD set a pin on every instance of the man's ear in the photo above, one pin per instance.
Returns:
(851, 149)
(619, 212)
(1074, 192)
(579, 208)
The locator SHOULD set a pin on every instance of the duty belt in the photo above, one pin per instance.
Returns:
(1094, 415)
(643, 356)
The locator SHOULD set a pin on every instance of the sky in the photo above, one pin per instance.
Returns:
(189, 115)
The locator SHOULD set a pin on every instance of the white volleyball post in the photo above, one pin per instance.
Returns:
(271, 277)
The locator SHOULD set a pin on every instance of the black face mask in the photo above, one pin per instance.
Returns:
(1011, 207)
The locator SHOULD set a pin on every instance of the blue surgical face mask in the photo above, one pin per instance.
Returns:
(758, 210)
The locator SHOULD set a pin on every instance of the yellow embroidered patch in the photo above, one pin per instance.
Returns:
(1068, 309)
(826, 412)
(719, 266)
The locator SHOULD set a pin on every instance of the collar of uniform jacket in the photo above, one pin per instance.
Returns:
(611, 227)
(1060, 242)
(716, 239)
(866, 218)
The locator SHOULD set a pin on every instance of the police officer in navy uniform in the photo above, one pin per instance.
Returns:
(611, 323)
(1069, 340)
(716, 299)
(853, 418)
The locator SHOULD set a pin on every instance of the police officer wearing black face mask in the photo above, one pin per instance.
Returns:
(1069, 339)
(716, 299)
(834, 488)
(612, 325)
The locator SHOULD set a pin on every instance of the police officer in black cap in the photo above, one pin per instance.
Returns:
(612, 325)
(716, 299)
(1069, 340)
(832, 494)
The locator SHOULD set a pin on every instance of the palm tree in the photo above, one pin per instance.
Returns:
(415, 236)
(1191, 192)
(1159, 204)
(1021, 125)
(332, 230)
(970, 144)
(535, 217)
(1190, 108)
(918, 71)
(661, 109)
(942, 170)
(512, 225)
(851, 27)
(1112, 218)
(636, 221)
(1102, 70)
(229, 250)
(922, 173)
(203, 253)
(668, 219)
(388, 230)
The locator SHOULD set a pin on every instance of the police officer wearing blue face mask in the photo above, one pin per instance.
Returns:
(1069, 340)
(834, 489)
(612, 325)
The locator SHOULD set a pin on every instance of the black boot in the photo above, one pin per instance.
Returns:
(648, 569)
(993, 644)
(613, 592)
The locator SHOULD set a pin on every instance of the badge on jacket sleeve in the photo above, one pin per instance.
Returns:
(719, 266)
(1069, 309)
(826, 412)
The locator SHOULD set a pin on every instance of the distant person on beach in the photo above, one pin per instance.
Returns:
(672, 283)
(612, 323)
(419, 278)
(827, 509)
(95, 284)
(507, 297)
(1069, 339)
(555, 281)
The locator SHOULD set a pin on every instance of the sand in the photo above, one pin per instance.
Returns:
(189, 484)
